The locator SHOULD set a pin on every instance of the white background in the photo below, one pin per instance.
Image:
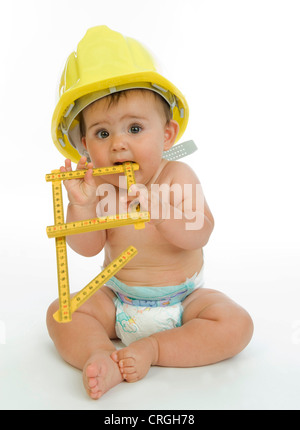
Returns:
(238, 64)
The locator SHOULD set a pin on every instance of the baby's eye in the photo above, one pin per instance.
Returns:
(102, 134)
(135, 129)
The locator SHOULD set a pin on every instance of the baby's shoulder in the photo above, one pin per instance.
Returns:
(177, 172)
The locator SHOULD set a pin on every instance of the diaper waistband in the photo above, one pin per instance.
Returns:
(155, 296)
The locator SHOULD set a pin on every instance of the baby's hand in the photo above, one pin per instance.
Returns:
(148, 201)
(81, 192)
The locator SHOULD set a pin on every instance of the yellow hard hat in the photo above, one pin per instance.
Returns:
(106, 62)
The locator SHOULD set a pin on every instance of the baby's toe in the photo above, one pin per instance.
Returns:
(131, 376)
(92, 370)
(92, 382)
(126, 362)
(96, 396)
(94, 390)
(121, 354)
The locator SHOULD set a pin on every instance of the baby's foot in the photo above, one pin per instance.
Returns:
(100, 374)
(136, 359)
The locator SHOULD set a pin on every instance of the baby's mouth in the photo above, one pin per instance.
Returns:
(118, 163)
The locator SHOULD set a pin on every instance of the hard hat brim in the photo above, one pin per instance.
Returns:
(67, 137)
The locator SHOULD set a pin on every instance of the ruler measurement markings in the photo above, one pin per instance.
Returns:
(103, 277)
(67, 305)
(95, 224)
(128, 171)
(78, 174)
(83, 295)
(61, 256)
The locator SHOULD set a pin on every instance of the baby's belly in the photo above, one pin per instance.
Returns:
(157, 263)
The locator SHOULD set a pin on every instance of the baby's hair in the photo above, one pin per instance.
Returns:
(114, 98)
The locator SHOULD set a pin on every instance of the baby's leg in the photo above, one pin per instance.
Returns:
(214, 328)
(85, 342)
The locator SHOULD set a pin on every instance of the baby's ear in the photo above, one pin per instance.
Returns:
(83, 141)
(171, 131)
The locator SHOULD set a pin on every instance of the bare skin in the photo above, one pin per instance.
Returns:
(100, 374)
(214, 327)
(85, 342)
(219, 331)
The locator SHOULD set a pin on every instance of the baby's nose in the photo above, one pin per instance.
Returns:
(119, 143)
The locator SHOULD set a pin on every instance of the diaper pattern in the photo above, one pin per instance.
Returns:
(142, 311)
(137, 322)
(126, 323)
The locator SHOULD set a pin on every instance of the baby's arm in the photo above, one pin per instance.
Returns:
(195, 224)
(182, 216)
(188, 232)
(82, 205)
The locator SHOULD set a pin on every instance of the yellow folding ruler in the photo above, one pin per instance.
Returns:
(66, 305)
(57, 175)
(61, 256)
(129, 172)
(99, 281)
(101, 223)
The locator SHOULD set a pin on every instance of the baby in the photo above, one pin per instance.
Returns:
(156, 304)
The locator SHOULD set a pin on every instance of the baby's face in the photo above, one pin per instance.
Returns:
(132, 129)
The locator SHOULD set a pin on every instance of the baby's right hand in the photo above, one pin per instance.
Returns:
(81, 192)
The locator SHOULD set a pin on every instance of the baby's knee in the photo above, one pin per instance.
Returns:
(249, 325)
(242, 328)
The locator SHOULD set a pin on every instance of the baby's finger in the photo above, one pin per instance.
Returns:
(89, 165)
(88, 177)
(67, 167)
(82, 163)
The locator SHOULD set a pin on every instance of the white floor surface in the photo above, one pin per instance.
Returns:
(266, 375)
(243, 89)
